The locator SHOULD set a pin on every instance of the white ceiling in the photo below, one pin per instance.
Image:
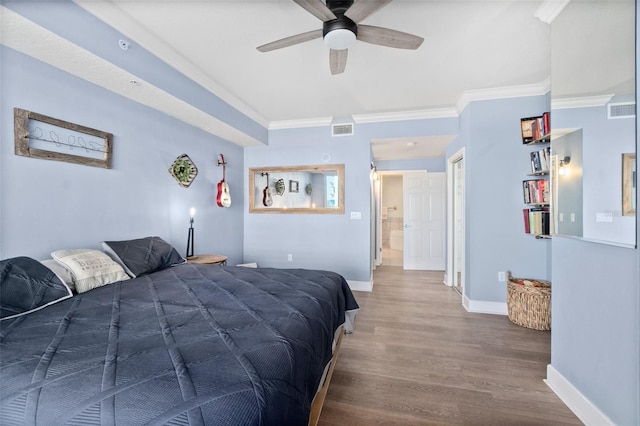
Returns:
(473, 49)
(470, 46)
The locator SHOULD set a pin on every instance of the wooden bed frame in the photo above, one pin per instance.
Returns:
(318, 401)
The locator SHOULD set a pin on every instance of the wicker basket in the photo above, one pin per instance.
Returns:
(529, 305)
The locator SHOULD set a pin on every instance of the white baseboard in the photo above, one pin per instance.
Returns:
(360, 285)
(588, 413)
(482, 307)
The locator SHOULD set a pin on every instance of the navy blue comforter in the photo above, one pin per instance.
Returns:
(188, 345)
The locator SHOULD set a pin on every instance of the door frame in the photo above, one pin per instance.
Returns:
(448, 278)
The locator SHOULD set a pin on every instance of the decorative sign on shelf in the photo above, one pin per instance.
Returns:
(40, 136)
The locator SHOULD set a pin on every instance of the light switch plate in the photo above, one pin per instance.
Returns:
(604, 217)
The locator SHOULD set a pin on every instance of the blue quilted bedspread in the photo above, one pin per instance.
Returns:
(188, 345)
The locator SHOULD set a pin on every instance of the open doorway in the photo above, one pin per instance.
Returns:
(391, 215)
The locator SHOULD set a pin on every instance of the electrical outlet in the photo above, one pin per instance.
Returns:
(290, 257)
(501, 276)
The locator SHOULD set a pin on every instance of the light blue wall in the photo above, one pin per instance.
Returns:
(48, 205)
(496, 162)
(595, 332)
(321, 241)
(334, 242)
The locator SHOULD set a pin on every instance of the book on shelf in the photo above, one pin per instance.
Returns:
(535, 191)
(527, 226)
(546, 121)
(537, 221)
(540, 160)
(536, 165)
(535, 128)
(526, 128)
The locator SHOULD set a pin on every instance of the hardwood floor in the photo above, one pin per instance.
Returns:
(418, 358)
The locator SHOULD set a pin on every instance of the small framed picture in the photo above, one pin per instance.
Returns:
(294, 186)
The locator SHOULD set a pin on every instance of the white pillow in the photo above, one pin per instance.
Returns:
(62, 273)
(89, 268)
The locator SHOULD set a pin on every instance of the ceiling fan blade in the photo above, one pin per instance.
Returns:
(361, 9)
(317, 9)
(290, 41)
(337, 61)
(388, 37)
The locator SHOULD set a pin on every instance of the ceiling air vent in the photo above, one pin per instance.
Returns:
(622, 110)
(345, 129)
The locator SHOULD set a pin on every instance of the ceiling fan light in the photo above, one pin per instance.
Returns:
(339, 39)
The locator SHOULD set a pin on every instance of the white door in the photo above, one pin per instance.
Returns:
(424, 220)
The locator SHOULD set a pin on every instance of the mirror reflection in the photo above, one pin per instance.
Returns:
(593, 121)
(629, 179)
(297, 189)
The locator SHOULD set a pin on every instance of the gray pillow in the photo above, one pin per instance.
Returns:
(143, 255)
(26, 285)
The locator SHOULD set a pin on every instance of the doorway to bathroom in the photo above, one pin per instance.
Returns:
(392, 213)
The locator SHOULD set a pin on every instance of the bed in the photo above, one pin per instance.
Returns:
(179, 344)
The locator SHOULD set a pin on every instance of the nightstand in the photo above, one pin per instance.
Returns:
(209, 259)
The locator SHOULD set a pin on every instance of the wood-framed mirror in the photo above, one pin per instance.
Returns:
(316, 189)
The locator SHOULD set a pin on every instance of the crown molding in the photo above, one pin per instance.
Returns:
(367, 118)
(294, 124)
(581, 102)
(525, 90)
(406, 115)
(467, 97)
(550, 9)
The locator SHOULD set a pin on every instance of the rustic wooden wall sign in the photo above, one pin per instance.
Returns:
(49, 138)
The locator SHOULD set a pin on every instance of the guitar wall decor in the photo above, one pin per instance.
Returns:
(267, 201)
(224, 197)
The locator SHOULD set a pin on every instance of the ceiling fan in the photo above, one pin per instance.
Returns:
(340, 29)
